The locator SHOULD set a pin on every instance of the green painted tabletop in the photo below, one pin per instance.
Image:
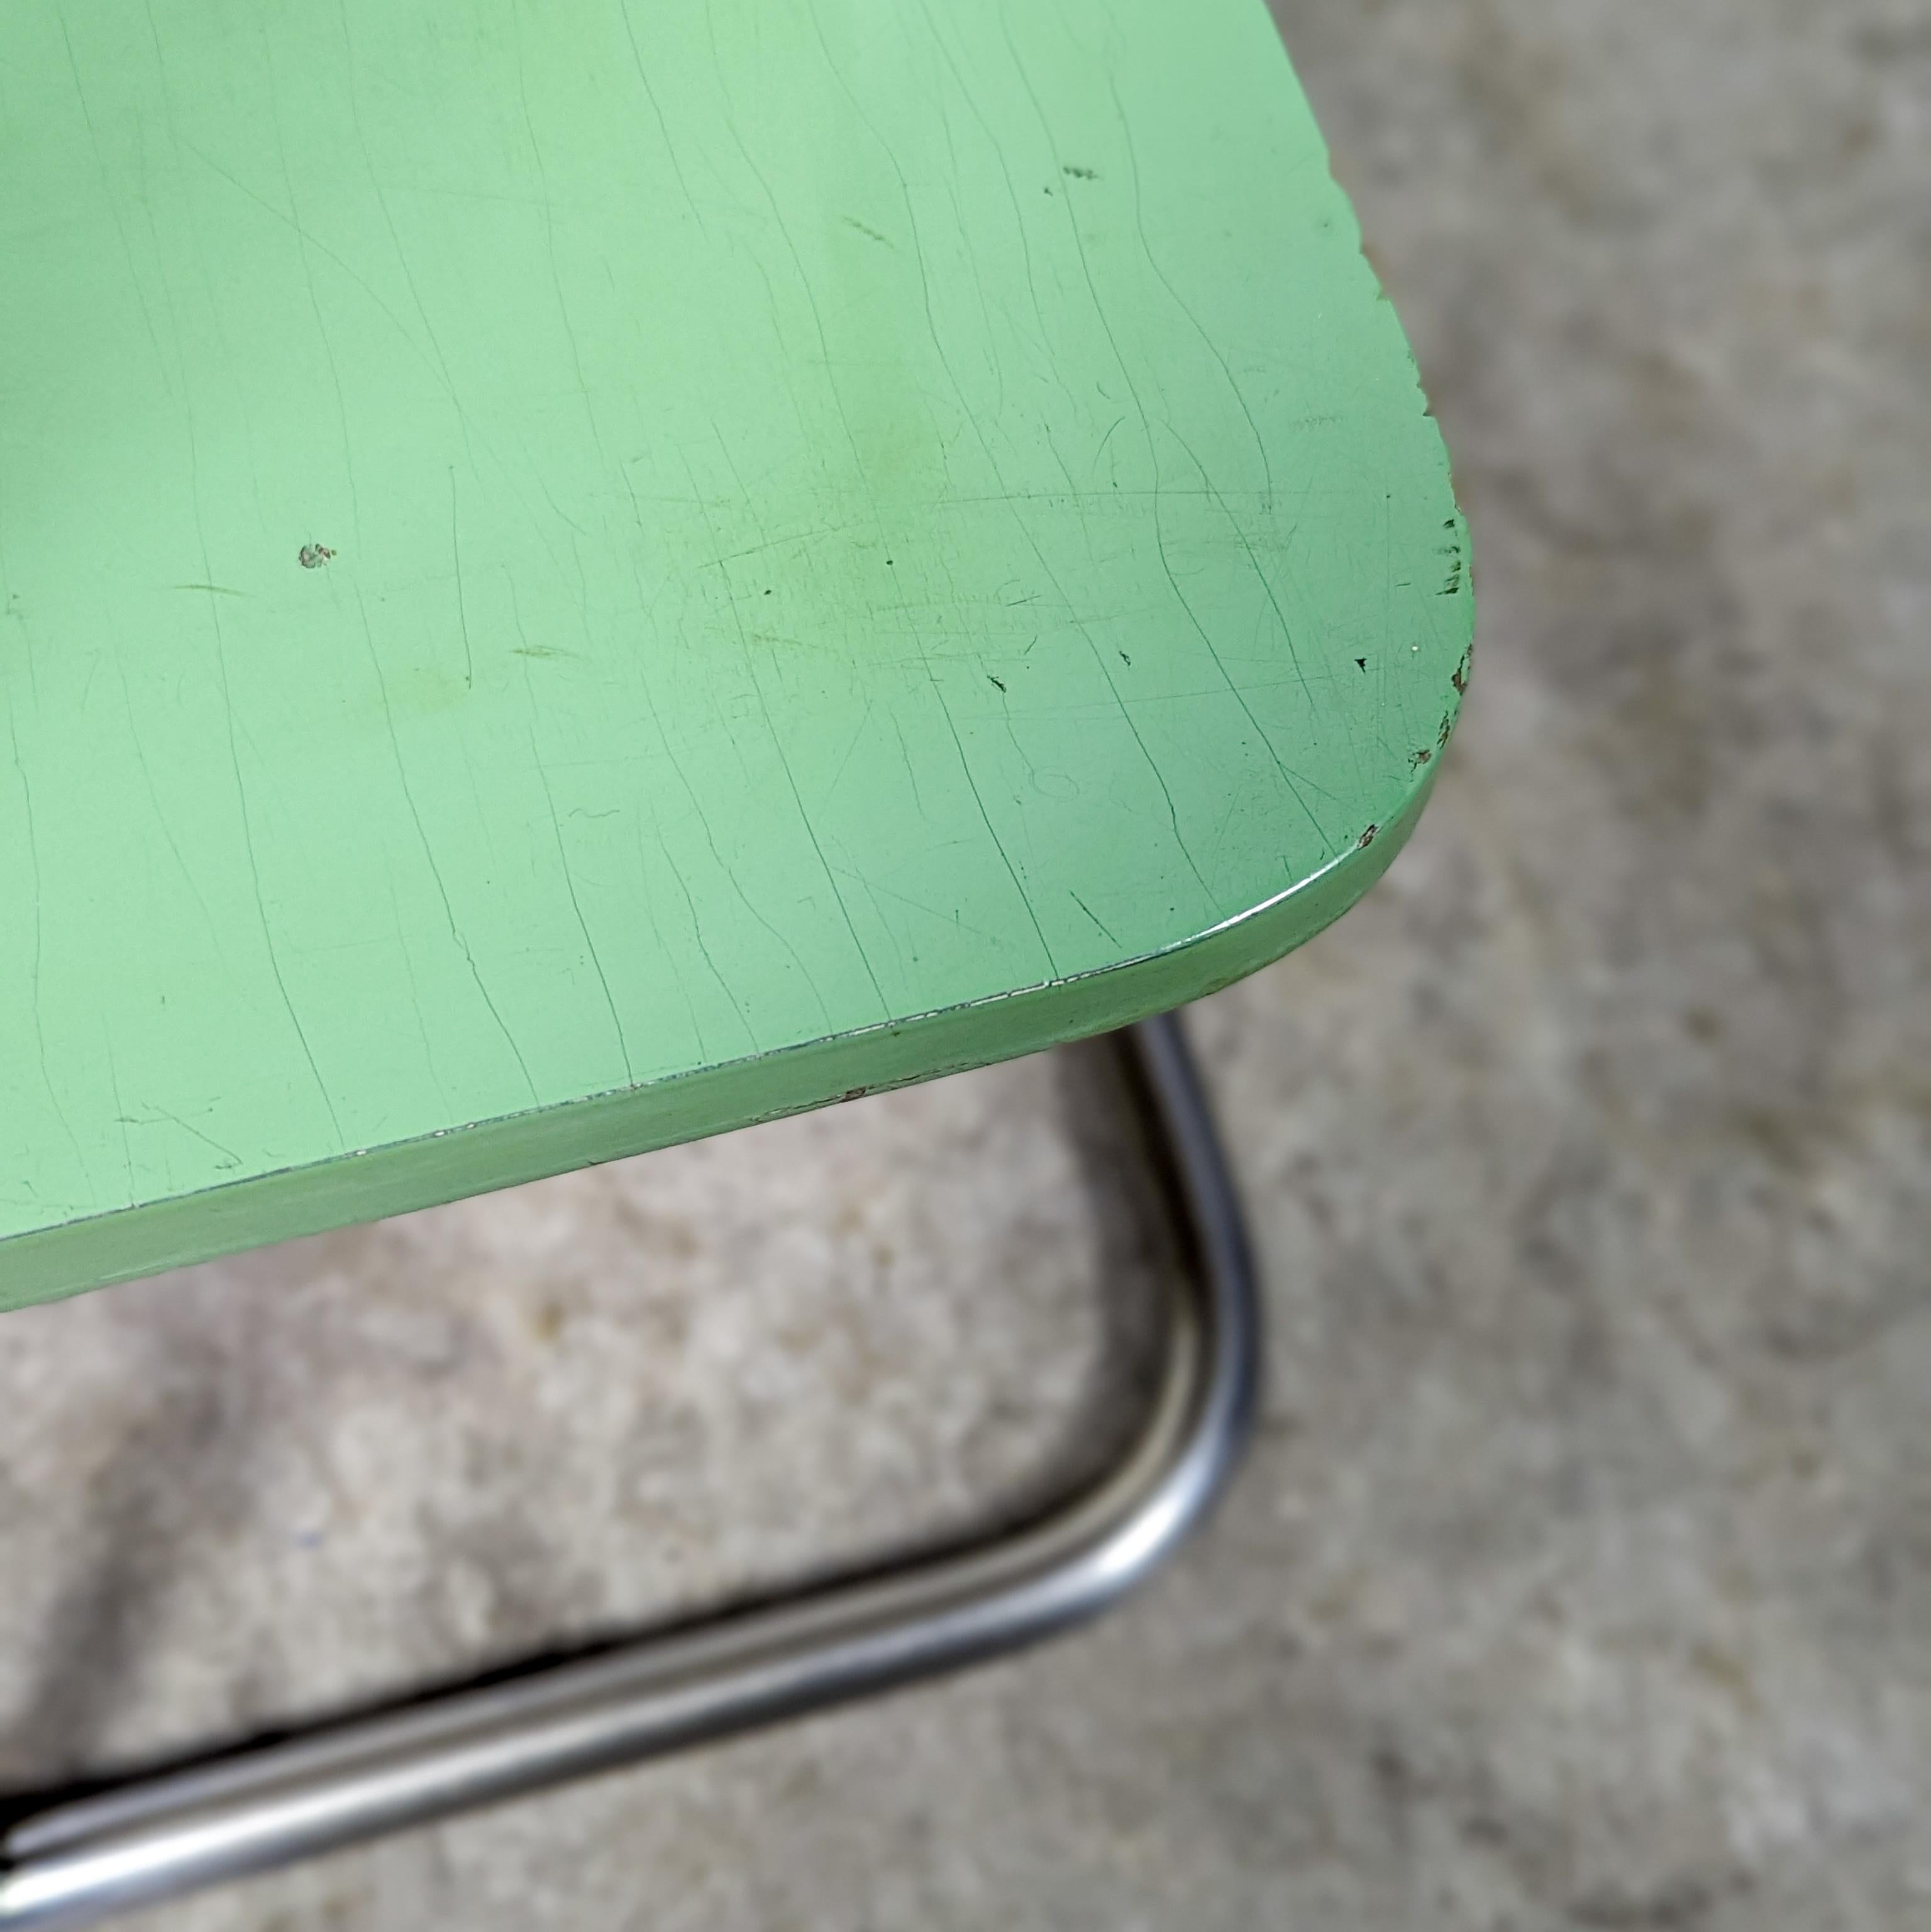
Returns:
(574, 575)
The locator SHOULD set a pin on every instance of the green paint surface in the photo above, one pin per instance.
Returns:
(571, 577)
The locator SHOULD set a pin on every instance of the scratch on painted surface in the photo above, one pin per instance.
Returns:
(1212, 348)
(1111, 936)
(33, 862)
(462, 610)
(577, 906)
(428, 851)
(1159, 526)
(985, 819)
(1153, 458)
(229, 1160)
(783, 756)
(725, 871)
(315, 303)
(243, 810)
(1010, 500)
(657, 113)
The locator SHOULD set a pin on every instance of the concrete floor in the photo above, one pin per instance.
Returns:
(1582, 1575)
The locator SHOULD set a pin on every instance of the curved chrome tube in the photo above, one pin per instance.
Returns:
(155, 1838)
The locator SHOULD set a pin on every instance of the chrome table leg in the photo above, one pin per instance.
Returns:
(75, 1861)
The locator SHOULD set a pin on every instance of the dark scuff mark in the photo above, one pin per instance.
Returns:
(1367, 838)
(1079, 174)
(1361, 664)
(999, 682)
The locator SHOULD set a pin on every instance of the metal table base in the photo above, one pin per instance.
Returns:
(71, 1861)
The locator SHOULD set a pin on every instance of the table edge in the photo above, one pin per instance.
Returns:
(403, 1176)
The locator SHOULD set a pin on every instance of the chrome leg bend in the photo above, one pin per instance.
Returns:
(77, 1860)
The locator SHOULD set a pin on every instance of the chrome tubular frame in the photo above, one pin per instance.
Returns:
(73, 1861)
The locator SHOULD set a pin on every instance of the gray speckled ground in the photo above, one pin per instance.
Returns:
(1582, 1575)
